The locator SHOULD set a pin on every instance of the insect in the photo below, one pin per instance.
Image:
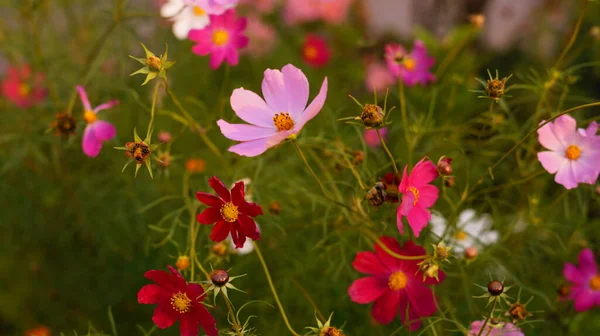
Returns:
(376, 195)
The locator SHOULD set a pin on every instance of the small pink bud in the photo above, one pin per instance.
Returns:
(164, 136)
(471, 253)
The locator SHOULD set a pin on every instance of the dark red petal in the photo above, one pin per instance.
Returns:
(188, 326)
(248, 227)
(220, 188)
(163, 279)
(386, 307)
(151, 294)
(220, 231)
(178, 279)
(195, 293)
(421, 304)
(164, 316)
(206, 320)
(237, 193)
(368, 263)
(390, 262)
(237, 236)
(251, 209)
(209, 199)
(210, 216)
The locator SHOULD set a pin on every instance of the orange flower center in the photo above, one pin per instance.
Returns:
(198, 11)
(89, 116)
(409, 63)
(397, 280)
(311, 52)
(220, 37)
(181, 302)
(283, 121)
(573, 152)
(229, 212)
(460, 235)
(595, 282)
(24, 90)
(415, 193)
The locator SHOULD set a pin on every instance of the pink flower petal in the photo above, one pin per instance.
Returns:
(428, 195)
(91, 145)
(587, 263)
(551, 161)
(273, 88)
(565, 175)
(424, 172)
(386, 259)
(106, 105)
(572, 274)
(422, 301)
(386, 307)
(244, 132)
(232, 57)
(368, 289)
(84, 98)
(103, 130)
(251, 108)
(315, 106)
(565, 127)
(403, 186)
(256, 147)
(216, 58)
(399, 223)
(418, 219)
(296, 87)
(369, 263)
(585, 300)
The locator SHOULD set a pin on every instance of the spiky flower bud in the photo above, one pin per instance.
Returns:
(372, 115)
(183, 263)
(154, 62)
(331, 331)
(517, 312)
(495, 288)
(219, 278)
(139, 151)
(494, 321)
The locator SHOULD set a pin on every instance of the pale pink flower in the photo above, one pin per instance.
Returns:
(96, 131)
(213, 7)
(371, 137)
(262, 37)
(330, 11)
(281, 115)
(500, 329)
(23, 87)
(378, 78)
(573, 154)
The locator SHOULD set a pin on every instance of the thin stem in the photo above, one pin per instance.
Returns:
(236, 324)
(385, 147)
(451, 56)
(573, 36)
(376, 239)
(309, 298)
(404, 120)
(268, 275)
(489, 317)
(154, 99)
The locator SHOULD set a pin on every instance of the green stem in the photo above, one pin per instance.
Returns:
(385, 147)
(376, 239)
(154, 99)
(268, 275)
(573, 36)
(236, 324)
(489, 317)
(404, 115)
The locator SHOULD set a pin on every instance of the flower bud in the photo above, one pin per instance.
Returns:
(372, 115)
(275, 208)
(183, 263)
(358, 157)
(477, 20)
(138, 151)
(219, 278)
(164, 136)
(444, 166)
(331, 331)
(494, 321)
(471, 253)
(495, 88)
(449, 181)
(495, 288)
(219, 249)
(154, 63)
(517, 312)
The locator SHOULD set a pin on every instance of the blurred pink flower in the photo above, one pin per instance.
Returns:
(412, 68)
(262, 6)
(23, 87)
(585, 281)
(213, 7)
(378, 77)
(372, 139)
(315, 51)
(331, 11)
(262, 37)
(282, 116)
(501, 329)
(164, 136)
(96, 131)
(573, 155)
(417, 196)
(221, 39)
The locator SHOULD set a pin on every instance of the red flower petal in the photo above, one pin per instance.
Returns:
(237, 193)
(188, 326)
(248, 227)
(369, 263)
(368, 289)
(386, 307)
(196, 294)
(209, 199)
(209, 216)
(164, 316)
(151, 294)
(251, 209)
(220, 231)
(390, 262)
(177, 279)
(163, 279)
(220, 188)
(207, 321)
(237, 236)
(421, 304)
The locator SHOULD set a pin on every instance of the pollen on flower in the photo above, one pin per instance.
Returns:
(409, 63)
(595, 282)
(229, 212)
(181, 303)
(220, 37)
(283, 121)
(460, 235)
(573, 152)
(89, 116)
(415, 193)
(397, 280)
(24, 90)
(198, 11)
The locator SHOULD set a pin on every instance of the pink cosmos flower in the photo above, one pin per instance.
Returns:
(262, 37)
(585, 281)
(412, 68)
(395, 285)
(315, 51)
(378, 77)
(371, 137)
(221, 39)
(331, 11)
(282, 116)
(262, 6)
(573, 154)
(417, 196)
(96, 131)
(501, 329)
(23, 87)
(213, 7)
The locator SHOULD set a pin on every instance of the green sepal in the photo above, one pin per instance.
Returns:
(151, 76)
(148, 52)
(168, 64)
(149, 166)
(126, 164)
(153, 147)
(136, 137)
(121, 148)
(137, 167)
(139, 59)
(142, 71)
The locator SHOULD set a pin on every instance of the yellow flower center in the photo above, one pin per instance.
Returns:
(181, 303)
(397, 280)
(283, 121)
(415, 193)
(311, 52)
(229, 212)
(573, 152)
(89, 116)
(24, 90)
(409, 63)
(595, 282)
(198, 11)
(460, 235)
(220, 37)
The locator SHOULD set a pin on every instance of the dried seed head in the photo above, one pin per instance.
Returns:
(372, 115)
(219, 278)
(517, 312)
(139, 151)
(183, 263)
(495, 288)
(495, 88)
(64, 124)
(331, 331)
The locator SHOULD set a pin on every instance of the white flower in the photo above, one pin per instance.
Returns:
(471, 231)
(248, 246)
(185, 17)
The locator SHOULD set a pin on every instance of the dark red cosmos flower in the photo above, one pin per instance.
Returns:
(231, 213)
(177, 301)
(315, 51)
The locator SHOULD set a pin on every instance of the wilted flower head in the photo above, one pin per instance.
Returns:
(140, 151)
(412, 68)
(23, 87)
(495, 88)
(280, 116)
(64, 125)
(372, 116)
(585, 281)
(97, 131)
(518, 312)
(315, 51)
(153, 66)
(185, 17)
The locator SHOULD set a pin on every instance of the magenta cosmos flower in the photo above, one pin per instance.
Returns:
(417, 196)
(23, 87)
(221, 39)
(500, 329)
(96, 131)
(395, 285)
(585, 281)
(177, 300)
(281, 115)
(412, 68)
(573, 155)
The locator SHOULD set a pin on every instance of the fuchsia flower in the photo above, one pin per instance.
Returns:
(585, 281)
(96, 131)
(573, 154)
(417, 196)
(213, 7)
(371, 137)
(395, 285)
(412, 68)
(330, 11)
(177, 300)
(221, 39)
(501, 329)
(378, 78)
(282, 116)
(315, 51)
(262, 37)
(23, 87)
